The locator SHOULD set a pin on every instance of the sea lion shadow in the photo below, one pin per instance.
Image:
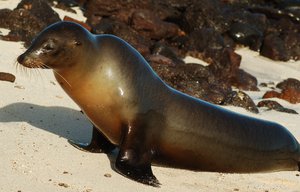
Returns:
(65, 122)
(62, 121)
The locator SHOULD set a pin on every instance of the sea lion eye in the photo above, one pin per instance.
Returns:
(77, 43)
(49, 46)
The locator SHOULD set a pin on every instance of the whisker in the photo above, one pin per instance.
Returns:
(43, 75)
(40, 74)
(59, 75)
(16, 65)
(37, 72)
(26, 72)
(33, 74)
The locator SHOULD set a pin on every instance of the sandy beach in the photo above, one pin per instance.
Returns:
(37, 118)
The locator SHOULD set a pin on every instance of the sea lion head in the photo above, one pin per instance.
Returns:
(58, 46)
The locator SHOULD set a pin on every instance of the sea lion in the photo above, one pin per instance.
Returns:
(150, 122)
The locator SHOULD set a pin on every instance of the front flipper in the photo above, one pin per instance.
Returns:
(99, 143)
(129, 164)
(135, 155)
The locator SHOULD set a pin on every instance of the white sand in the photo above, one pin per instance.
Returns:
(37, 118)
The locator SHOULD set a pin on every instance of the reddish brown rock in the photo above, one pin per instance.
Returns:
(290, 91)
(149, 24)
(7, 77)
(67, 18)
(290, 94)
(271, 94)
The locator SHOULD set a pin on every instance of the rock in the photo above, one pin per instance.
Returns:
(204, 39)
(240, 99)
(289, 83)
(7, 77)
(244, 81)
(290, 91)
(273, 48)
(275, 106)
(111, 26)
(291, 95)
(163, 49)
(246, 34)
(225, 63)
(66, 5)
(150, 25)
(192, 79)
(204, 14)
(28, 19)
(67, 18)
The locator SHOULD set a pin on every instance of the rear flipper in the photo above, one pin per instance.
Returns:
(99, 143)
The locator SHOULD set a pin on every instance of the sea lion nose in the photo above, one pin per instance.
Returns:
(21, 58)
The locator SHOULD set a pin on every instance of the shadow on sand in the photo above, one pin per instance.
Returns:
(62, 121)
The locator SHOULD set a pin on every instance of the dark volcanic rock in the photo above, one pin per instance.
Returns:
(205, 14)
(120, 29)
(273, 48)
(225, 63)
(289, 83)
(244, 81)
(66, 5)
(246, 34)
(4, 16)
(203, 39)
(291, 39)
(192, 79)
(28, 19)
(282, 46)
(162, 49)
(281, 41)
(150, 25)
(122, 10)
(39, 9)
(240, 99)
(276, 13)
(275, 106)
(99, 9)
